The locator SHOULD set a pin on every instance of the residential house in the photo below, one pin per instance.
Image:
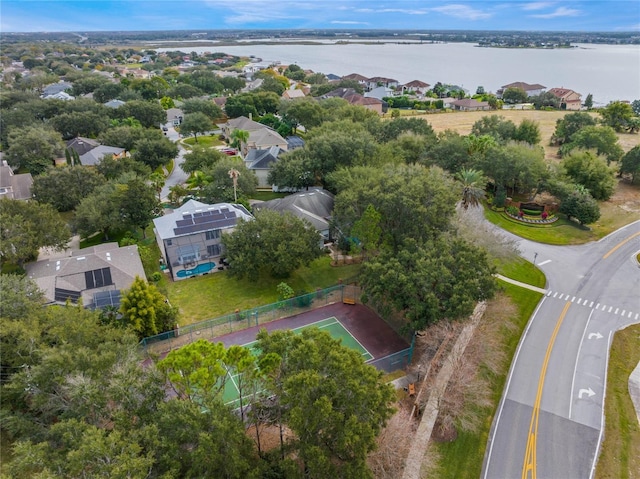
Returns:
(56, 88)
(240, 123)
(265, 138)
(261, 161)
(91, 152)
(190, 237)
(291, 94)
(12, 186)
(114, 103)
(332, 77)
(415, 87)
(95, 155)
(221, 101)
(375, 82)
(175, 116)
(362, 80)
(469, 104)
(354, 98)
(531, 90)
(314, 205)
(569, 99)
(293, 142)
(380, 93)
(447, 102)
(62, 95)
(135, 73)
(95, 275)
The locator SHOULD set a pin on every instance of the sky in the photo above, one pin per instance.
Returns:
(94, 15)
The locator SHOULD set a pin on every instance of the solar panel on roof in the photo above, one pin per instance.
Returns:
(184, 222)
(197, 215)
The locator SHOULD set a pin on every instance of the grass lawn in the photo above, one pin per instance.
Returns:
(207, 141)
(267, 195)
(462, 458)
(523, 271)
(620, 456)
(214, 295)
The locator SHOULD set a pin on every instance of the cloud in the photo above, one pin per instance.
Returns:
(462, 11)
(348, 22)
(536, 5)
(560, 12)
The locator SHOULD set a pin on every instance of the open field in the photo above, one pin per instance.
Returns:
(463, 121)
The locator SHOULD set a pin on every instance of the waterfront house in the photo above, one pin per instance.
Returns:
(569, 99)
(415, 87)
(469, 104)
(190, 237)
(530, 90)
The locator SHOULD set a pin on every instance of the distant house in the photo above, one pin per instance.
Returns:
(95, 155)
(12, 186)
(190, 237)
(380, 93)
(569, 99)
(261, 161)
(221, 101)
(294, 142)
(362, 80)
(530, 90)
(375, 82)
(82, 145)
(252, 85)
(175, 116)
(240, 123)
(56, 88)
(114, 103)
(354, 98)
(415, 87)
(333, 77)
(291, 94)
(448, 101)
(96, 275)
(265, 138)
(314, 206)
(62, 95)
(469, 104)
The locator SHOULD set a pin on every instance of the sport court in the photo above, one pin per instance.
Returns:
(331, 325)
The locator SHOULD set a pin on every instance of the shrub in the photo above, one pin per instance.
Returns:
(512, 210)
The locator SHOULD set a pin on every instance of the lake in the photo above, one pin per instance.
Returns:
(609, 72)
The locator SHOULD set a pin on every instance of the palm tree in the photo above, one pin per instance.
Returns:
(233, 174)
(197, 180)
(157, 181)
(240, 138)
(473, 182)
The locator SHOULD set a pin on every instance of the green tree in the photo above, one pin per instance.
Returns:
(239, 139)
(85, 123)
(220, 187)
(99, 212)
(240, 105)
(140, 305)
(184, 91)
(292, 170)
(391, 130)
(149, 114)
(630, 164)
(473, 183)
(274, 243)
(441, 279)
(195, 123)
(155, 152)
(591, 171)
(196, 371)
(335, 403)
(451, 151)
(635, 106)
(588, 102)
(579, 204)
(207, 107)
(569, 125)
(528, 131)
(302, 111)
(496, 126)
(20, 297)
(64, 188)
(616, 115)
(200, 158)
(600, 138)
(515, 95)
(34, 148)
(545, 100)
(138, 204)
(112, 168)
(233, 84)
(28, 226)
(368, 231)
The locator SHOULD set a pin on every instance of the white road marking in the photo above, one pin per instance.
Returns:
(575, 366)
(623, 311)
(591, 304)
(610, 308)
(597, 305)
(555, 294)
(544, 262)
(616, 311)
(630, 313)
(573, 299)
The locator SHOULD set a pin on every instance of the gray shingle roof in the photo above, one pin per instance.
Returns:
(94, 156)
(262, 159)
(314, 205)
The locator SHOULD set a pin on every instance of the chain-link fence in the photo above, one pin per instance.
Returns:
(213, 328)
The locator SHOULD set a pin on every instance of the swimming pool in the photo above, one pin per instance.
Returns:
(200, 269)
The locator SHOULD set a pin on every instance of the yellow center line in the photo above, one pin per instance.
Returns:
(530, 461)
(622, 243)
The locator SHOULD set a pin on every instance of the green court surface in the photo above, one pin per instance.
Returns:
(331, 325)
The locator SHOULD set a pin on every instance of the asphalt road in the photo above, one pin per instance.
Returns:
(549, 423)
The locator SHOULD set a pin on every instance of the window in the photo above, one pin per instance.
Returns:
(169, 242)
(214, 234)
(213, 250)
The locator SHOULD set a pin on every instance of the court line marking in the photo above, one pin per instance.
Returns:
(354, 338)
